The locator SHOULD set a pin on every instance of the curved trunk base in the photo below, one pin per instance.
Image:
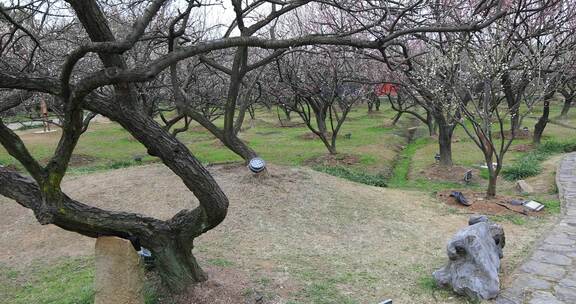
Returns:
(178, 268)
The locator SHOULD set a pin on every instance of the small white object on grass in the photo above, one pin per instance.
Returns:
(44, 132)
(533, 205)
(143, 252)
(485, 166)
(389, 301)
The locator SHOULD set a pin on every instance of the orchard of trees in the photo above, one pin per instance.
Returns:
(480, 65)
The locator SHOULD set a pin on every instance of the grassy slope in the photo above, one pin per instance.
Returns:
(112, 147)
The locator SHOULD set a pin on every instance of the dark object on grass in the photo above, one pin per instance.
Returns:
(437, 157)
(460, 198)
(388, 301)
(475, 219)
(516, 202)
(474, 260)
(468, 176)
(348, 136)
(530, 205)
(257, 165)
(137, 158)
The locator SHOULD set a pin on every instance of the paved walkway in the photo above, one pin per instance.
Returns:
(549, 275)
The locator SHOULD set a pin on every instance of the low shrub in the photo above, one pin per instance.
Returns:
(529, 164)
(554, 147)
(521, 170)
(552, 206)
(484, 173)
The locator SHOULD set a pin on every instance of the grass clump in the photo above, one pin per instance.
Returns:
(362, 177)
(428, 283)
(525, 167)
(121, 164)
(529, 164)
(551, 205)
(151, 294)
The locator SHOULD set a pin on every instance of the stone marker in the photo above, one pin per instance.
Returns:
(474, 260)
(524, 187)
(119, 276)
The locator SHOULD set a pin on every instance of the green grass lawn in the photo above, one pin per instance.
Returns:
(377, 145)
(109, 146)
(66, 282)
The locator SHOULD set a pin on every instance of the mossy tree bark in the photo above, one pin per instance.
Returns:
(566, 107)
(569, 94)
(445, 132)
(171, 240)
(541, 124)
(543, 120)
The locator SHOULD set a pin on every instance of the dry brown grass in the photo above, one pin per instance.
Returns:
(297, 235)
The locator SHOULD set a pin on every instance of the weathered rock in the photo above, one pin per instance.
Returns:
(474, 260)
(118, 272)
(524, 187)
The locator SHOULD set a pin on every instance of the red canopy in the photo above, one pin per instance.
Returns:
(385, 89)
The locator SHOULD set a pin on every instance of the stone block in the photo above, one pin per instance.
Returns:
(119, 277)
(524, 187)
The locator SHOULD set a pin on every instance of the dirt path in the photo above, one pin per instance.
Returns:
(299, 230)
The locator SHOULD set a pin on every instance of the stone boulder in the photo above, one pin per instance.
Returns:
(524, 187)
(119, 277)
(474, 260)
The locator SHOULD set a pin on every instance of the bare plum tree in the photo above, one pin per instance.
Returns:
(321, 84)
(77, 52)
(539, 41)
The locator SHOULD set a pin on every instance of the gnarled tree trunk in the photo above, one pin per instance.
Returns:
(445, 132)
(566, 107)
(542, 121)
